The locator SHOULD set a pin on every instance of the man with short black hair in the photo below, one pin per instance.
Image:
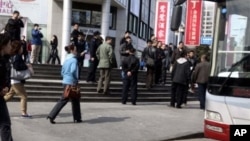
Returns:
(93, 62)
(75, 33)
(14, 25)
(126, 34)
(149, 53)
(130, 67)
(180, 80)
(125, 47)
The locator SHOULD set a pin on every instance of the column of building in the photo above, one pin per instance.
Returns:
(66, 28)
(105, 17)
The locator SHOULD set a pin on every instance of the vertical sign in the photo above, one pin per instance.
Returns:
(193, 23)
(161, 31)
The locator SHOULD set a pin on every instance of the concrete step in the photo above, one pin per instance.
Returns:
(99, 99)
(92, 88)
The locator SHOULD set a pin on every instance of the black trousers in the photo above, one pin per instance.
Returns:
(92, 70)
(129, 82)
(76, 109)
(54, 56)
(177, 94)
(80, 65)
(5, 124)
(163, 74)
(158, 69)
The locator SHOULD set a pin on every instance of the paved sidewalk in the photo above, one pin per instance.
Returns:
(107, 122)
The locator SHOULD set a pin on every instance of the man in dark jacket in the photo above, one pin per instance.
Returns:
(130, 67)
(14, 25)
(75, 33)
(125, 47)
(177, 52)
(165, 63)
(149, 53)
(180, 79)
(81, 51)
(123, 40)
(6, 51)
(94, 44)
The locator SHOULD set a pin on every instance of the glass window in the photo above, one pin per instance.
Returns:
(135, 24)
(81, 17)
(96, 18)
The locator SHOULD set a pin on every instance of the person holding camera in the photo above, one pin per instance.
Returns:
(14, 25)
(36, 43)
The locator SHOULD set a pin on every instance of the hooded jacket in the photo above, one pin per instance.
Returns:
(70, 70)
(181, 71)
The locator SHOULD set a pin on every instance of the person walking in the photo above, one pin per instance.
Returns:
(94, 44)
(149, 53)
(5, 51)
(70, 77)
(180, 79)
(54, 52)
(104, 54)
(17, 86)
(14, 25)
(130, 67)
(200, 76)
(36, 43)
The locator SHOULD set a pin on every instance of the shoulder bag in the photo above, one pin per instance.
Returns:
(72, 92)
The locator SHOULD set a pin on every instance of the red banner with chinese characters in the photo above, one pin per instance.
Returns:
(193, 23)
(161, 31)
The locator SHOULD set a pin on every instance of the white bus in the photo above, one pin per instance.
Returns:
(228, 91)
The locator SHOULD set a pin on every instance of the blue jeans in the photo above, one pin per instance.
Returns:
(202, 94)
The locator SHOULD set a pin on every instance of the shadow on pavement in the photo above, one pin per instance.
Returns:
(105, 119)
(191, 136)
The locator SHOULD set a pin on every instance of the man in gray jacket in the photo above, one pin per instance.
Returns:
(104, 54)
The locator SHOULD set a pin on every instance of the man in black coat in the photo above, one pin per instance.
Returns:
(180, 80)
(93, 62)
(125, 47)
(75, 33)
(130, 67)
(81, 51)
(123, 40)
(14, 25)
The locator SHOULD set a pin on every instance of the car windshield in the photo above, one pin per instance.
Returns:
(232, 40)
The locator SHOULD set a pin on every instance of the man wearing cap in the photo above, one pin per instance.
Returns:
(93, 62)
(14, 25)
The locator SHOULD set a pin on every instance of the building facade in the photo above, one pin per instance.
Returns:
(208, 19)
(110, 17)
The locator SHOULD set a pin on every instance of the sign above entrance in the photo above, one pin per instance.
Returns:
(193, 23)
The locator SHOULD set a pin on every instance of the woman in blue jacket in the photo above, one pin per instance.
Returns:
(70, 77)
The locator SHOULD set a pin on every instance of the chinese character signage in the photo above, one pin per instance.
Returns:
(26, 9)
(193, 23)
(161, 23)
